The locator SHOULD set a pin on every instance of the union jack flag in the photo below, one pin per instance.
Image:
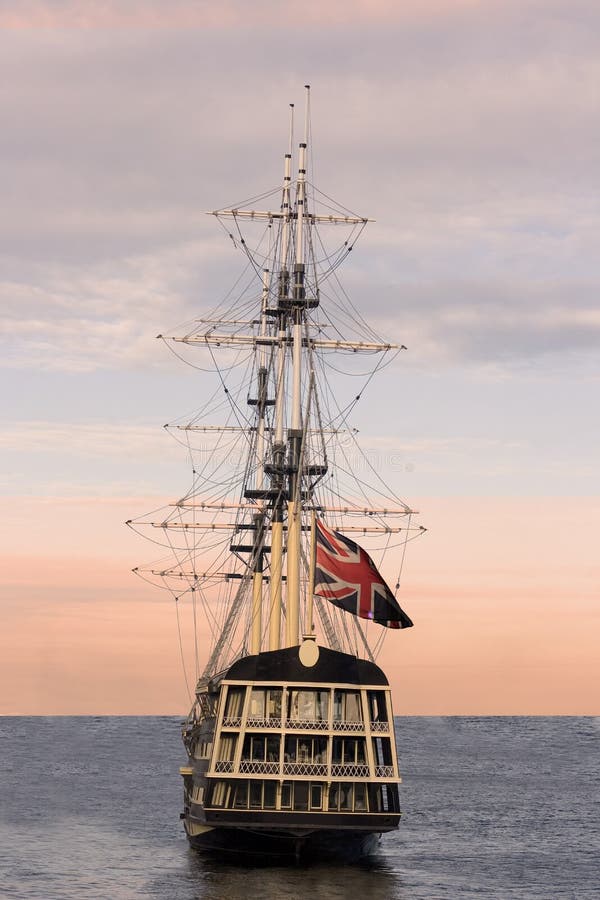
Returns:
(346, 575)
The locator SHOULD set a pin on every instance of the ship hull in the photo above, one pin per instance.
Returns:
(292, 761)
(277, 847)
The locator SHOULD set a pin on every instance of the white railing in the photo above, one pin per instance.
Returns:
(256, 722)
(304, 724)
(308, 724)
(338, 770)
(252, 767)
(348, 726)
(296, 768)
(350, 771)
(380, 726)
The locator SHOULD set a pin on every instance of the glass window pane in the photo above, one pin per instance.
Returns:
(274, 704)
(360, 797)
(322, 705)
(304, 750)
(227, 746)
(257, 703)
(241, 795)
(338, 708)
(320, 750)
(235, 698)
(293, 705)
(256, 794)
(346, 796)
(316, 792)
(334, 796)
(270, 793)
(300, 795)
(336, 750)
(353, 707)
(306, 705)
(377, 706)
(273, 749)
(286, 795)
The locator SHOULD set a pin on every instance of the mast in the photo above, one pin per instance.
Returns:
(279, 443)
(295, 431)
(270, 573)
(259, 517)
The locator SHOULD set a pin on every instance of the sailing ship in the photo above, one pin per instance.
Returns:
(290, 738)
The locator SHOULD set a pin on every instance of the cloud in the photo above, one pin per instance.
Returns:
(470, 133)
(79, 318)
(500, 324)
(227, 14)
(92, 439)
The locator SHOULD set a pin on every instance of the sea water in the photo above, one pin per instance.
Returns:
(501, 808)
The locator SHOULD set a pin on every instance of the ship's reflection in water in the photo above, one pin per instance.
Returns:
(371, 878)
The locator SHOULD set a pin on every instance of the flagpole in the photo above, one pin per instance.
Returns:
(310, 630)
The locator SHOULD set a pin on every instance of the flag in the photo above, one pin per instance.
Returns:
(346, 575)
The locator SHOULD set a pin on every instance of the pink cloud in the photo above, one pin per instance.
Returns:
(207, 14)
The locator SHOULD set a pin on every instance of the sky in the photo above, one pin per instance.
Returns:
(470, 132)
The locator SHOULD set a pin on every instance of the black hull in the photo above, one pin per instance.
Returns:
(234, 845)
(292, 762)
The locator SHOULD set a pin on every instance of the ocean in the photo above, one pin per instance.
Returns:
(493, 807)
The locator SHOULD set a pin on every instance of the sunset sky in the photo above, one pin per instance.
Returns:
(470, 132)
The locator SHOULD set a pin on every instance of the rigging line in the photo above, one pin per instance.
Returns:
(215, 310)
(363, 637)
(343, 414)
(160, 587)
(349, 324)
(335, 260)
(200, 474)
(313, 375)
(269, 192)
(351, 643)
(402, 558)
(256, 251)
(327, 625)
(338, 206)
(345, 373)
(341, 320)
(364, 486)
(336, 257)
(229, 623)
(390, 493)
(231, 303)
(358, 318)
(187, 686)
(254, 264)
(235, 408)
(172, 349)
(208, 616)
(380, 642)
(227, 231)
(344, 625)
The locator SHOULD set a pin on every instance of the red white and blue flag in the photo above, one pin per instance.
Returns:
(346, 575)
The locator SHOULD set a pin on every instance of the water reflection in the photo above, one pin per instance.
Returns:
(373, 877)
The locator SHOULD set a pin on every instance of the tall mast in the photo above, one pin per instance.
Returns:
(259, 517)
(295, 431)
(279, 443)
